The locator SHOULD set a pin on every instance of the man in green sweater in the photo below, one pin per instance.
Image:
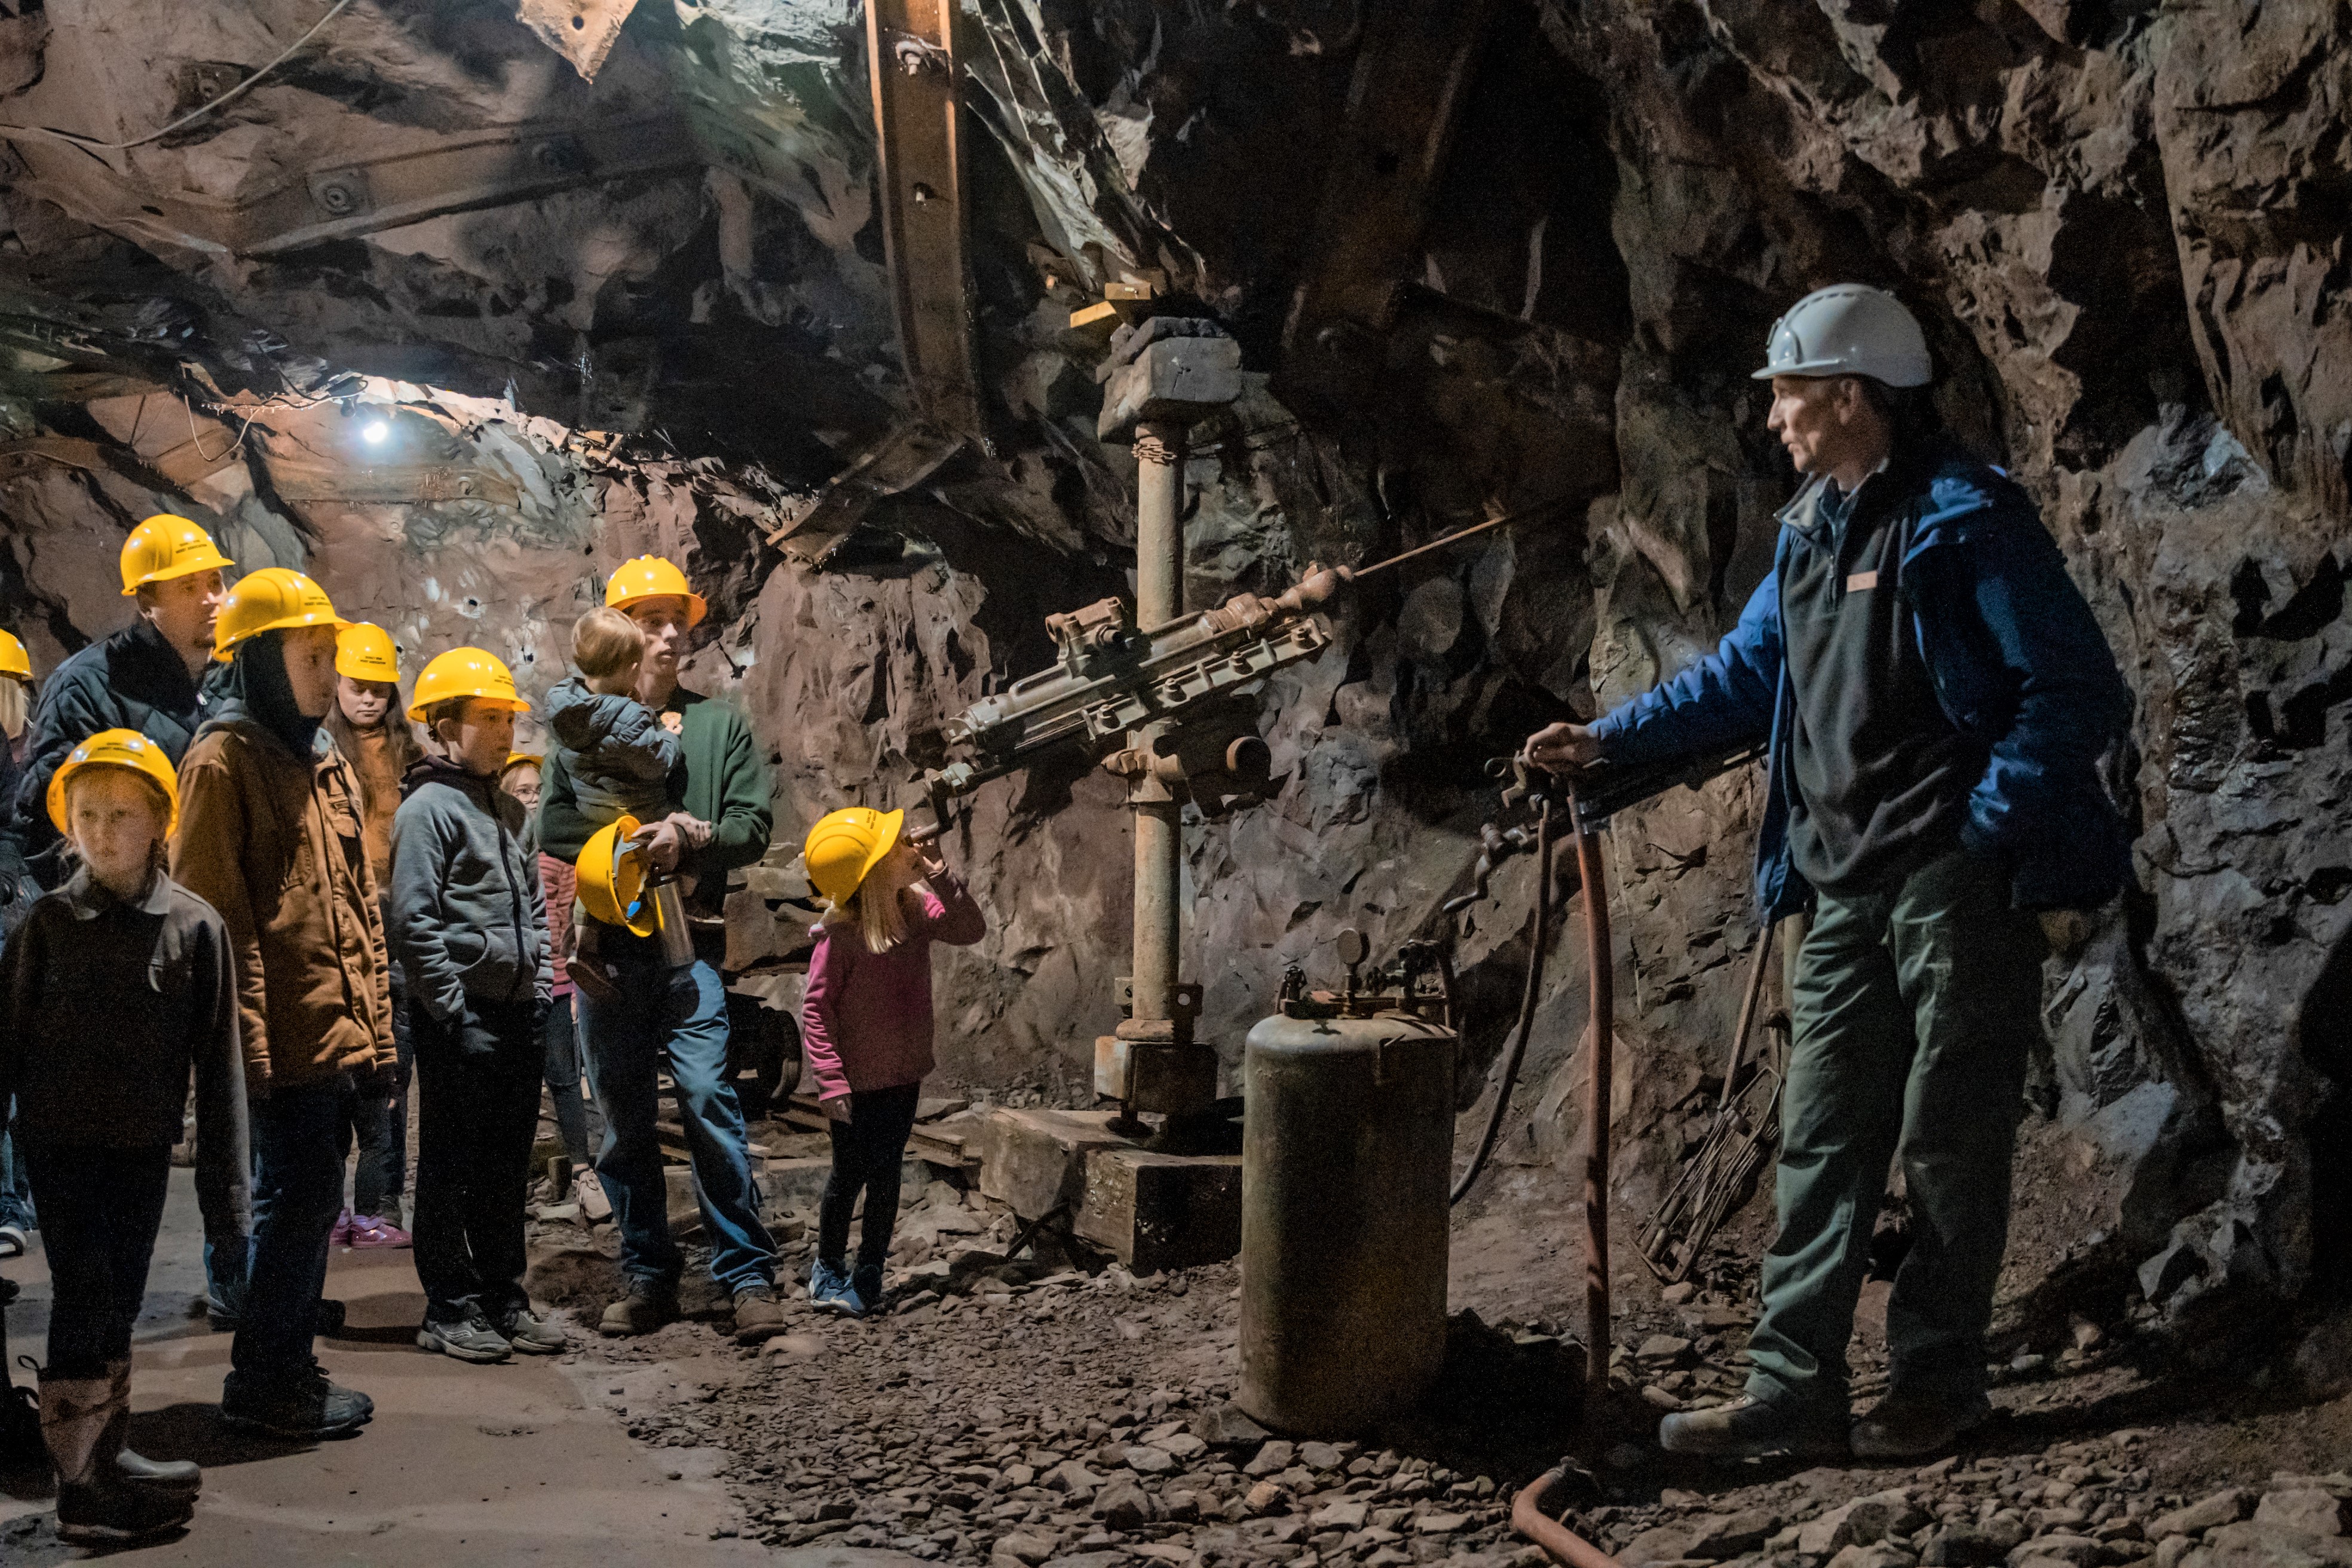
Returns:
(660, 1016)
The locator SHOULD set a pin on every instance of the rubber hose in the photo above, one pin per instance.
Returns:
(1545, 844)
(1564, 1545)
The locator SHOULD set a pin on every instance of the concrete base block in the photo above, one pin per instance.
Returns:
(1034, 1160)
(1162, 1211)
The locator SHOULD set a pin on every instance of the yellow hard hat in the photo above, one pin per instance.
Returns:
(14, 660)
(165, 546)
(651, 577)
(464, 672)
(119, 749)
(847, 844)
(365, 652)
(274, 599)
(518, 760)
(612, 880)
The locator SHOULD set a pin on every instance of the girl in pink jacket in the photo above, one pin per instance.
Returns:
(867, 1026)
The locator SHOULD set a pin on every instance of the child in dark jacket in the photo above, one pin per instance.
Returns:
(117, 984)
(867, 1026)
(470, 930)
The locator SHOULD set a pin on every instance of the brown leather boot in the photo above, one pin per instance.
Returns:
(1915, 1426)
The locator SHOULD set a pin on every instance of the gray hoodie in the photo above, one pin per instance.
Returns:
(468, 921)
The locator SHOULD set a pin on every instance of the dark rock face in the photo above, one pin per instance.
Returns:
(667, 327)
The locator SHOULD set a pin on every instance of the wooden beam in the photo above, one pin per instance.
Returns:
(918, 126)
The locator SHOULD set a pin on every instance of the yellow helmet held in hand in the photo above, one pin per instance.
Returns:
(119, 749)
(611, 881)
(651, 577)
(465, 672)
(165, 546)
(274, 599)
(846, 845)
(14, 660)
(364, 651)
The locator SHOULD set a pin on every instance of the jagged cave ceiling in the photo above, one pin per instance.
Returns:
(1479, 256)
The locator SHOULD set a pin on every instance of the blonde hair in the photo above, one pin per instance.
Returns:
(16, 705)
(605, 642)
(882, 921)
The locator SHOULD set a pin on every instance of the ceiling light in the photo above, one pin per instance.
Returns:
(374, 431)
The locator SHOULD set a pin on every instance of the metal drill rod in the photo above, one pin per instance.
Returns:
(1457, 537)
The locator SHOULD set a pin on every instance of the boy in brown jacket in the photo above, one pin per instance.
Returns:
(270, 837)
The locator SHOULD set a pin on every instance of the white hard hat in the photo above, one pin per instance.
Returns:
(1849, 328)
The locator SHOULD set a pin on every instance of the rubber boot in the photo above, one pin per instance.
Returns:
(173, 1475)
(96, 1505)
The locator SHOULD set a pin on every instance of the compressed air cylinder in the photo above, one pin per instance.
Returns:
(1347, 1153)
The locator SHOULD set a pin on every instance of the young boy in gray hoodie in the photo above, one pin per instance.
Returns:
(469, 925)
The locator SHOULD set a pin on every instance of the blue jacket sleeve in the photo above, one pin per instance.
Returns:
(1724, 699)
(2057, 700)
(636, 745)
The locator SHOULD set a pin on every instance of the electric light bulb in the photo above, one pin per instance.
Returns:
(374, 431)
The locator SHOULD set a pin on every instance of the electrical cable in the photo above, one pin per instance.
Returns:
(92, 144)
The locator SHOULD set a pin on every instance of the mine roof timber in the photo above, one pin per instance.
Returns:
(358, 187)
(910, 49)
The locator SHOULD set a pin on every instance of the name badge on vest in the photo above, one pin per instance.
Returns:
(1861, 581)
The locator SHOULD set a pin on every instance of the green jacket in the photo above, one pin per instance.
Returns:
(726, 786)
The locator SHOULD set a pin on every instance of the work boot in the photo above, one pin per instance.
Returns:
(96, 1505)
(829, 1289)
(1913, 1425)
(1749, 1428)
(468, 1339)
(757, 1314)
(646, 1308)
(175, 1475)
(305, 1407)
(530, 1333)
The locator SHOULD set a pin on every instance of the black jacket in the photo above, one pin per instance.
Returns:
(132, 680)
(104, 1007)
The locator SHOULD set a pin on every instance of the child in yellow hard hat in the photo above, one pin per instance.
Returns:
(18, 891)
(117, 986)
(867, 1026)
(469, 926)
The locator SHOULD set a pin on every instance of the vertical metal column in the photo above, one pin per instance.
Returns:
(1159, 599)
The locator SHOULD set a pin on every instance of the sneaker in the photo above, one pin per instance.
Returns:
(1749, 1428)
(759, 1316)
(304, 1407)
(1907, 1426)
(12, 1242)
(594, 1206)
(830, 1291)
(867, 1283)
(373, 1231)
(646, 1308)
(341, 1235)
(533, 1335)
(318, 1376)
(468, 1339)
(113, 1513)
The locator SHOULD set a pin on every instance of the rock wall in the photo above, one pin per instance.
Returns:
(2121, 224)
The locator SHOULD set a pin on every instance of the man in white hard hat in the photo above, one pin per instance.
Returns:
(1936, 695)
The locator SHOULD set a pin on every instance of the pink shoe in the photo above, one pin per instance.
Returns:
(367, 1231)
(341, 1235)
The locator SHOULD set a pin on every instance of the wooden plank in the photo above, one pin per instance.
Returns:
(910, 51)
(1413, 73)
(1162, 1211)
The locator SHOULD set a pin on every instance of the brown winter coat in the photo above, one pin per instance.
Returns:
(274, 842)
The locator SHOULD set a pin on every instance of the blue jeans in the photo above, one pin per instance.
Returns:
(297, 1191)
(680, 1015)
(562, 1040)
(16, 1183)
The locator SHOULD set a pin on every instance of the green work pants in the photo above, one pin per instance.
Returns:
(1911, 1013)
